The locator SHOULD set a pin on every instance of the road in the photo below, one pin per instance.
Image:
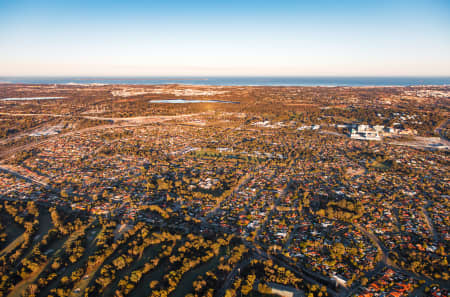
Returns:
(19, 175)
(33, 115)
(429, 222)
(156, 118)
(304, 273)
(243, 180)
(118, 123)
(442, 126)
(230, 278)
(386, 262)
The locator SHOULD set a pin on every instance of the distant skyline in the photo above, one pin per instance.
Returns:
(232, 38)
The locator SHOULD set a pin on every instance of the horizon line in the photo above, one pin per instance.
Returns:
(206, 77)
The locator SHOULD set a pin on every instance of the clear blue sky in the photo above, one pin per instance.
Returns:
(200, 38)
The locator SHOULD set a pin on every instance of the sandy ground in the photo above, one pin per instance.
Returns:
(425, 142)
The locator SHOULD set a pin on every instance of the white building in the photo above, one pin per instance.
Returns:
(339, 280)
(366, 132)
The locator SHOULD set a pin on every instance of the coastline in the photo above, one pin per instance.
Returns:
(323, 82)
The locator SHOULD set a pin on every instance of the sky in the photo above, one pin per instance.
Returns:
(225, 38)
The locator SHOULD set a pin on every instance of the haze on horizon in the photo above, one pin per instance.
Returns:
(198, 38)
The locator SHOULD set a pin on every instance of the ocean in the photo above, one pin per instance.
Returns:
(238, 81)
